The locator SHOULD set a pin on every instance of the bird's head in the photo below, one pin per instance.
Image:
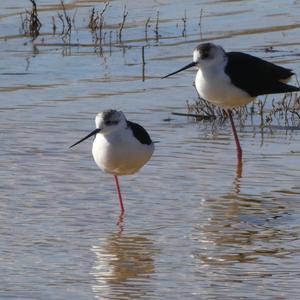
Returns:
(204, 55)
(208, 54)
(110, 120)
(107, 122)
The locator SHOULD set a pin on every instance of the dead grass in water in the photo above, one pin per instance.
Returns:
(282, 114)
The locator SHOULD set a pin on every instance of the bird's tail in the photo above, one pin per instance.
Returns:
(281, 87)
(291, 88)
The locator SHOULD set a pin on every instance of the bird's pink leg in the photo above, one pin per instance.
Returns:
(236, 138)
(119, 193)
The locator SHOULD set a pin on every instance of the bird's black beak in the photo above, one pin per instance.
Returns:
(97, 130)
(193, 64)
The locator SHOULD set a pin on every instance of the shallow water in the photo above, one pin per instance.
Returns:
(196, 226)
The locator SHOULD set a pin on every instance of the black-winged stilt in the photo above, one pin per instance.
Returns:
(232, 79)
(120, 147)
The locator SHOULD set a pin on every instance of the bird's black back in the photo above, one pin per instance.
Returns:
(139, 133)
(257, 76)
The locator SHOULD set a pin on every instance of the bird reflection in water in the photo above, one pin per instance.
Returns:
(241, 229)
(123, 267)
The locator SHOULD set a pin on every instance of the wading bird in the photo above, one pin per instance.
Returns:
(232, 79)
(120, 147)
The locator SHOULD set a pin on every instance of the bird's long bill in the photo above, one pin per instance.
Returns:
(182, 69)
(97, 130)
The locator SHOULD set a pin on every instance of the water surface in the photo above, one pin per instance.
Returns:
(195, 227)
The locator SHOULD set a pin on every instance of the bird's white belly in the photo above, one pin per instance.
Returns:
(217, 88)
(120, 156)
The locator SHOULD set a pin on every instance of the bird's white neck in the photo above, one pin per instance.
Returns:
(213, 69)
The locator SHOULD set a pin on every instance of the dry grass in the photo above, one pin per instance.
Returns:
(31, 24)
(66, 24)
(63, 24)
(281, 113)
(125, 14)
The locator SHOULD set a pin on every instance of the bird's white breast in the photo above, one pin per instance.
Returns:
(120, 153)
(215, 86)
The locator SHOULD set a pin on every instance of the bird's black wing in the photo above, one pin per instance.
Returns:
(139, 133)
(257, 76)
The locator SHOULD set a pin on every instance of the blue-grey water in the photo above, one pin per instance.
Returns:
(195, 227)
